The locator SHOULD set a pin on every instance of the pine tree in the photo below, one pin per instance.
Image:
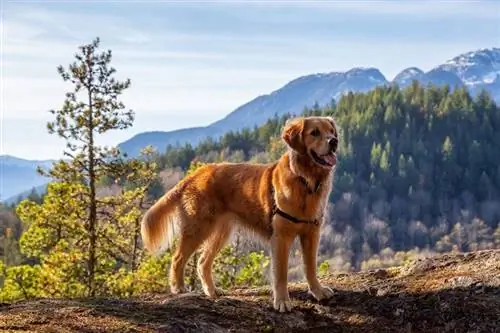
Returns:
(84, 240)
(91, 109)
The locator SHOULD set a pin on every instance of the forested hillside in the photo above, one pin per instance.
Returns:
(418, 172)
(418, 167)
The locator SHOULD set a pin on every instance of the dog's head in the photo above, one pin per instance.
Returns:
(316, 137)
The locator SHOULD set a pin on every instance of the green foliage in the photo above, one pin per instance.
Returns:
(252, 270)
(20, 282)
(58, 240)
(235, 268)
(324, 268)
(233, 146)
(193, 166)
(150, 277)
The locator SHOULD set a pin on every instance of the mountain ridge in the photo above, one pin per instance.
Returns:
(476, 70)
(322, 88)
(19, 176)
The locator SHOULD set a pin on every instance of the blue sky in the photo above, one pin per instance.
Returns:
(191, 63)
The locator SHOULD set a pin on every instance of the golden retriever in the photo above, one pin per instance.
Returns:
(278, 201)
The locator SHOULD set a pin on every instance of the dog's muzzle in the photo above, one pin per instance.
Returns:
(333, 143)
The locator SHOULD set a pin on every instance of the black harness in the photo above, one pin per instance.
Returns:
(275, 210)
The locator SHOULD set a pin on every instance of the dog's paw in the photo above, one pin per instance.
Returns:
(220, 292)
(283, 305)
(214, 292)
(177, 290)
(322, 293)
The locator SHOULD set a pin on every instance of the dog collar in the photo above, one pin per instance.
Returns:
(311, 191)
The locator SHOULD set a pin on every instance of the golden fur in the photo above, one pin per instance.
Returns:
(206, 205)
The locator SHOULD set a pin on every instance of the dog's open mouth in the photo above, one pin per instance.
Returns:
(327, 160)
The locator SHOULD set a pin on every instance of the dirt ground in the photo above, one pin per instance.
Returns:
(450, 293)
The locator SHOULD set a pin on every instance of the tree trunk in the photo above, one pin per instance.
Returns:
(137, 234)
(92, 223)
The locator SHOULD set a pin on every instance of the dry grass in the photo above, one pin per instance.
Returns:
(450, 293)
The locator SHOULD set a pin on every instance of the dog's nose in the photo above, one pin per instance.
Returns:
(333, 144)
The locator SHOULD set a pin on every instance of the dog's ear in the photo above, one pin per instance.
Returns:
(292, 134)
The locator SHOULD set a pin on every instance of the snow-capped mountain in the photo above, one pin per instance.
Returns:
(406, 77)
(291, 98)
(477, 67)
(301, 92)
(441, 77)
(476, 70)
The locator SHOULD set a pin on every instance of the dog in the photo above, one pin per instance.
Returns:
(278, 201)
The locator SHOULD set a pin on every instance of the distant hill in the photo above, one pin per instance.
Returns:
(476, 70)
(40, 190)
(19, 175)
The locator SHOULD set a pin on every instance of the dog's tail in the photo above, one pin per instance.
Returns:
(157, 226)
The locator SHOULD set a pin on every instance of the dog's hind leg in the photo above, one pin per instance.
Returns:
(211, 247)
(189, 241)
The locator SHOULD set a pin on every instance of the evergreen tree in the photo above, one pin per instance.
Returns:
(90, 109)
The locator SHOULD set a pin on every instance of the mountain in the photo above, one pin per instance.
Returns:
(20, 175)
(476, 70)
(406, 77)
(292, 98)
(40, 190)
(301, 92)
(439, 76)
(161, 140)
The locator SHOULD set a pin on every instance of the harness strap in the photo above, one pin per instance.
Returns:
(275, 209)
(292, 218)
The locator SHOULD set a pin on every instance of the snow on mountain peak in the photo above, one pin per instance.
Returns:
(475, 67)
(407, 75)
(482, 56)
(372, 74)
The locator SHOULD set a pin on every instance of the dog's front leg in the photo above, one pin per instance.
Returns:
(280, 247)
(309, 243)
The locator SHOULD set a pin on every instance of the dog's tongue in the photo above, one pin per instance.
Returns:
(330, 159)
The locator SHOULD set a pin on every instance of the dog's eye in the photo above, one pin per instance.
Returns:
(315, 132)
